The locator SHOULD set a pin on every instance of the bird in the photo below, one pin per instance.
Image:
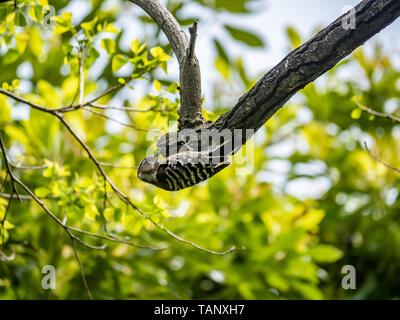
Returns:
(181, 170)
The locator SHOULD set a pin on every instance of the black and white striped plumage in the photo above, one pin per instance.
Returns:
(179, 171)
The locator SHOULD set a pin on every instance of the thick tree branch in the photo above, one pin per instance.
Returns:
(190, 111)
(168, 24)
(307, 63)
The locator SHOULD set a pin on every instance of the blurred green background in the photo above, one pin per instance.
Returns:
(315, 201)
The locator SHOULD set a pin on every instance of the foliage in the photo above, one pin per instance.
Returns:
(294, 247)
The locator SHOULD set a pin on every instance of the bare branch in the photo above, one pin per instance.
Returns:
(88, 103)
(27, 102)
(81, 269)
(4, 181)
(2, 222)
(113, 238)
(107, 92)
(127, 109)
(81, 74)
(190, 111)
(376, 113)
(192, 43)
(25, 167)
(380, 161)
(223, 253)
(115, 120)
(111, 165)
(14, 196)
(8, 168)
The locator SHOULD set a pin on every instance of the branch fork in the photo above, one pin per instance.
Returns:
(190, 111)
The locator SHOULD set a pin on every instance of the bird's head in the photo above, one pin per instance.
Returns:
(147, 170)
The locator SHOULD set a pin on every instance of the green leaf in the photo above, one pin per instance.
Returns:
(242, 73)
(118, 62)
(108, 45)
(325, 253)
(159, 53)
(135, 45)
(294, 37)
(244, 36)
(236, 6)
(5, 86)
(11, 56)
(221, 51)
(222, 67)
(356, 113)
(5, 108)
(35, 12)
(308, 291)
(63, 23)
(108, 213)
(21, 41)
(15, 83)
(42, 192)
(91, 211)
(112, 29)
(90, 25)
(157, 85)
(20, 20)
(93, 55)
(172, 88)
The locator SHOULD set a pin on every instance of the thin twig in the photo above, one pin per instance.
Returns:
(116, 166)
(3, 182)
(127, 109)
(27, 102)
(81, 269)
(376, 113)
(387, 165)
(8, 167)
(105, 93)
(2, 227)
(223, 253)
(14, 196)
(115, 120)
(192, 43)
(13, 192)
(81, 74)
(24, 167)
(113, 238)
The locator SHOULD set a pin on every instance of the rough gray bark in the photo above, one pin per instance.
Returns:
(307, 63)
(190, 111)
